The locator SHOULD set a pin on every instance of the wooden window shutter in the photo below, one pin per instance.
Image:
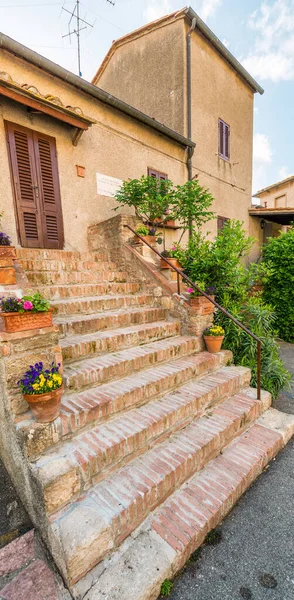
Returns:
(23, 170)
(221, 222)
(156, 174)
(47, 170)
(223, 139)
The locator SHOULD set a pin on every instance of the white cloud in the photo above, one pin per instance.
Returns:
(283, 172)
(262, 158)
(272, 56)
(208, 8)
(157, 9)
(262, 152)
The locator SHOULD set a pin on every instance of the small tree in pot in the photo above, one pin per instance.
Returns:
(149, 197)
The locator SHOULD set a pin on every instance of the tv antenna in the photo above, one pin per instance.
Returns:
(75, 14)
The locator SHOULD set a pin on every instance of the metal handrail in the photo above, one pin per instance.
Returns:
(223, 310)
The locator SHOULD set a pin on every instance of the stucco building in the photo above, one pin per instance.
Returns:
(276, 209)
(66, 146)
(178, 72)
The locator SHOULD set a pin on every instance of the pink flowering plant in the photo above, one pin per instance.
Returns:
(34, 303)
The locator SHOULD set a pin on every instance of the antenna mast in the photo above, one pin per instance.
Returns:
(75, 14)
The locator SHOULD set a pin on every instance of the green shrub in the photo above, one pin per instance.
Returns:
(166, 588)
(278, 253)
(218, 263)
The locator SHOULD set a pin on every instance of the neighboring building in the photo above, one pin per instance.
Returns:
(59, 167)
(178, 72)
(276, 209)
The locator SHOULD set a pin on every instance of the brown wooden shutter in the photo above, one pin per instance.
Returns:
(156, 174)
(47, 171)
(23, 170)
(227, 141)
(220, 137)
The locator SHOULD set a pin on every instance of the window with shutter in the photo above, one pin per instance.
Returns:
(156, 174)
(223, 140)
(221, 222)
(34, 173)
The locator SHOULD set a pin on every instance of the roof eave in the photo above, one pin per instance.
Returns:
(191, 14)
(49, 66)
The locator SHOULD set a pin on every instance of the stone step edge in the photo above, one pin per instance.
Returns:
(99, 343)
(137, 569)
(87, 373)
(101, 297)
(64, 320)
(116, 506)
(74, 469)
(84, 414)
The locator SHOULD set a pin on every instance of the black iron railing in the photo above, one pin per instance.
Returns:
(180, 275)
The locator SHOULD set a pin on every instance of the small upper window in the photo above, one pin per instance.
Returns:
(223, 140)
(221, 221)
(156, 174)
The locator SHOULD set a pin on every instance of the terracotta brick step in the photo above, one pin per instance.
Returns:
(75, 347)
(56, 292)
(94, 304)
(88, 408)
(47, 254)
(177, 528)
(66, 265)
(60, 277)
(70, 469)
(100, 369)
(113, 508)
(80, 324)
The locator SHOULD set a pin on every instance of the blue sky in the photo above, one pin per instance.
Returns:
(259, 33)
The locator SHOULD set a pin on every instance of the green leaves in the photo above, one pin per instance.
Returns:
(278, 259)
(190, 203)
(39, 303)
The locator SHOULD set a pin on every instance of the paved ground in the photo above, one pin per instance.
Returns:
(14, 520)
(254, 556)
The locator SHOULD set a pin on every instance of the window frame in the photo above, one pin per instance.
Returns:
(223, 138)
(156, 174)
(223, 220)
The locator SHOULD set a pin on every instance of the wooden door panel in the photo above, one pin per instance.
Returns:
(23, 170)
(47, 173)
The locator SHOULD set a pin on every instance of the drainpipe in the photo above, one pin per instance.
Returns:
(189, 108)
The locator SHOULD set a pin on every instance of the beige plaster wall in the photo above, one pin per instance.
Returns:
(218, 92)
(117, 146)
(148, 73)
(281, 196)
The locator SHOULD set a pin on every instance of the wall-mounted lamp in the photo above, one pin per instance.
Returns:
(262, 224)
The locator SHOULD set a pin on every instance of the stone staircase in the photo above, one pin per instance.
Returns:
(156, 439)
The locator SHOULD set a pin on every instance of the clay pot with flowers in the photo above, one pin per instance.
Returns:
(42, 389)
(23, 314)
(198, 300)
(213, 337)
(172, 256)
(7, 258)
(147, 234)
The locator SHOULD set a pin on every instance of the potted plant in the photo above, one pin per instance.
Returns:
(42, 389)
(173, 255)
(213, 337)
(28, 312)
(197, 299)
(7, 256)
(146, 234)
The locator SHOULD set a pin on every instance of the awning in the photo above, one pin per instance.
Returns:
(29, 95)
(282, 216)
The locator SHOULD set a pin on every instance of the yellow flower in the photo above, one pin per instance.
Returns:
(35, 386)
(50, 384)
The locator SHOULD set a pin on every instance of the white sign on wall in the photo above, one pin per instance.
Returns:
(107, 186)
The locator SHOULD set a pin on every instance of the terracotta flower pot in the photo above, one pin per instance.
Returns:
(45, 407)
(170, 223)
(213, 342)
(200, 301)
(175, 263)
(7, 275)
(16, 321)
(163, 264)
(151, 239)
(7, 252)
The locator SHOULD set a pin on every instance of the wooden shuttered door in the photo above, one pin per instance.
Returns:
(36, 187)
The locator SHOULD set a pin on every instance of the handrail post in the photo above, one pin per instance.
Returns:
(216, 304)
(179, 284)
(258, 369)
